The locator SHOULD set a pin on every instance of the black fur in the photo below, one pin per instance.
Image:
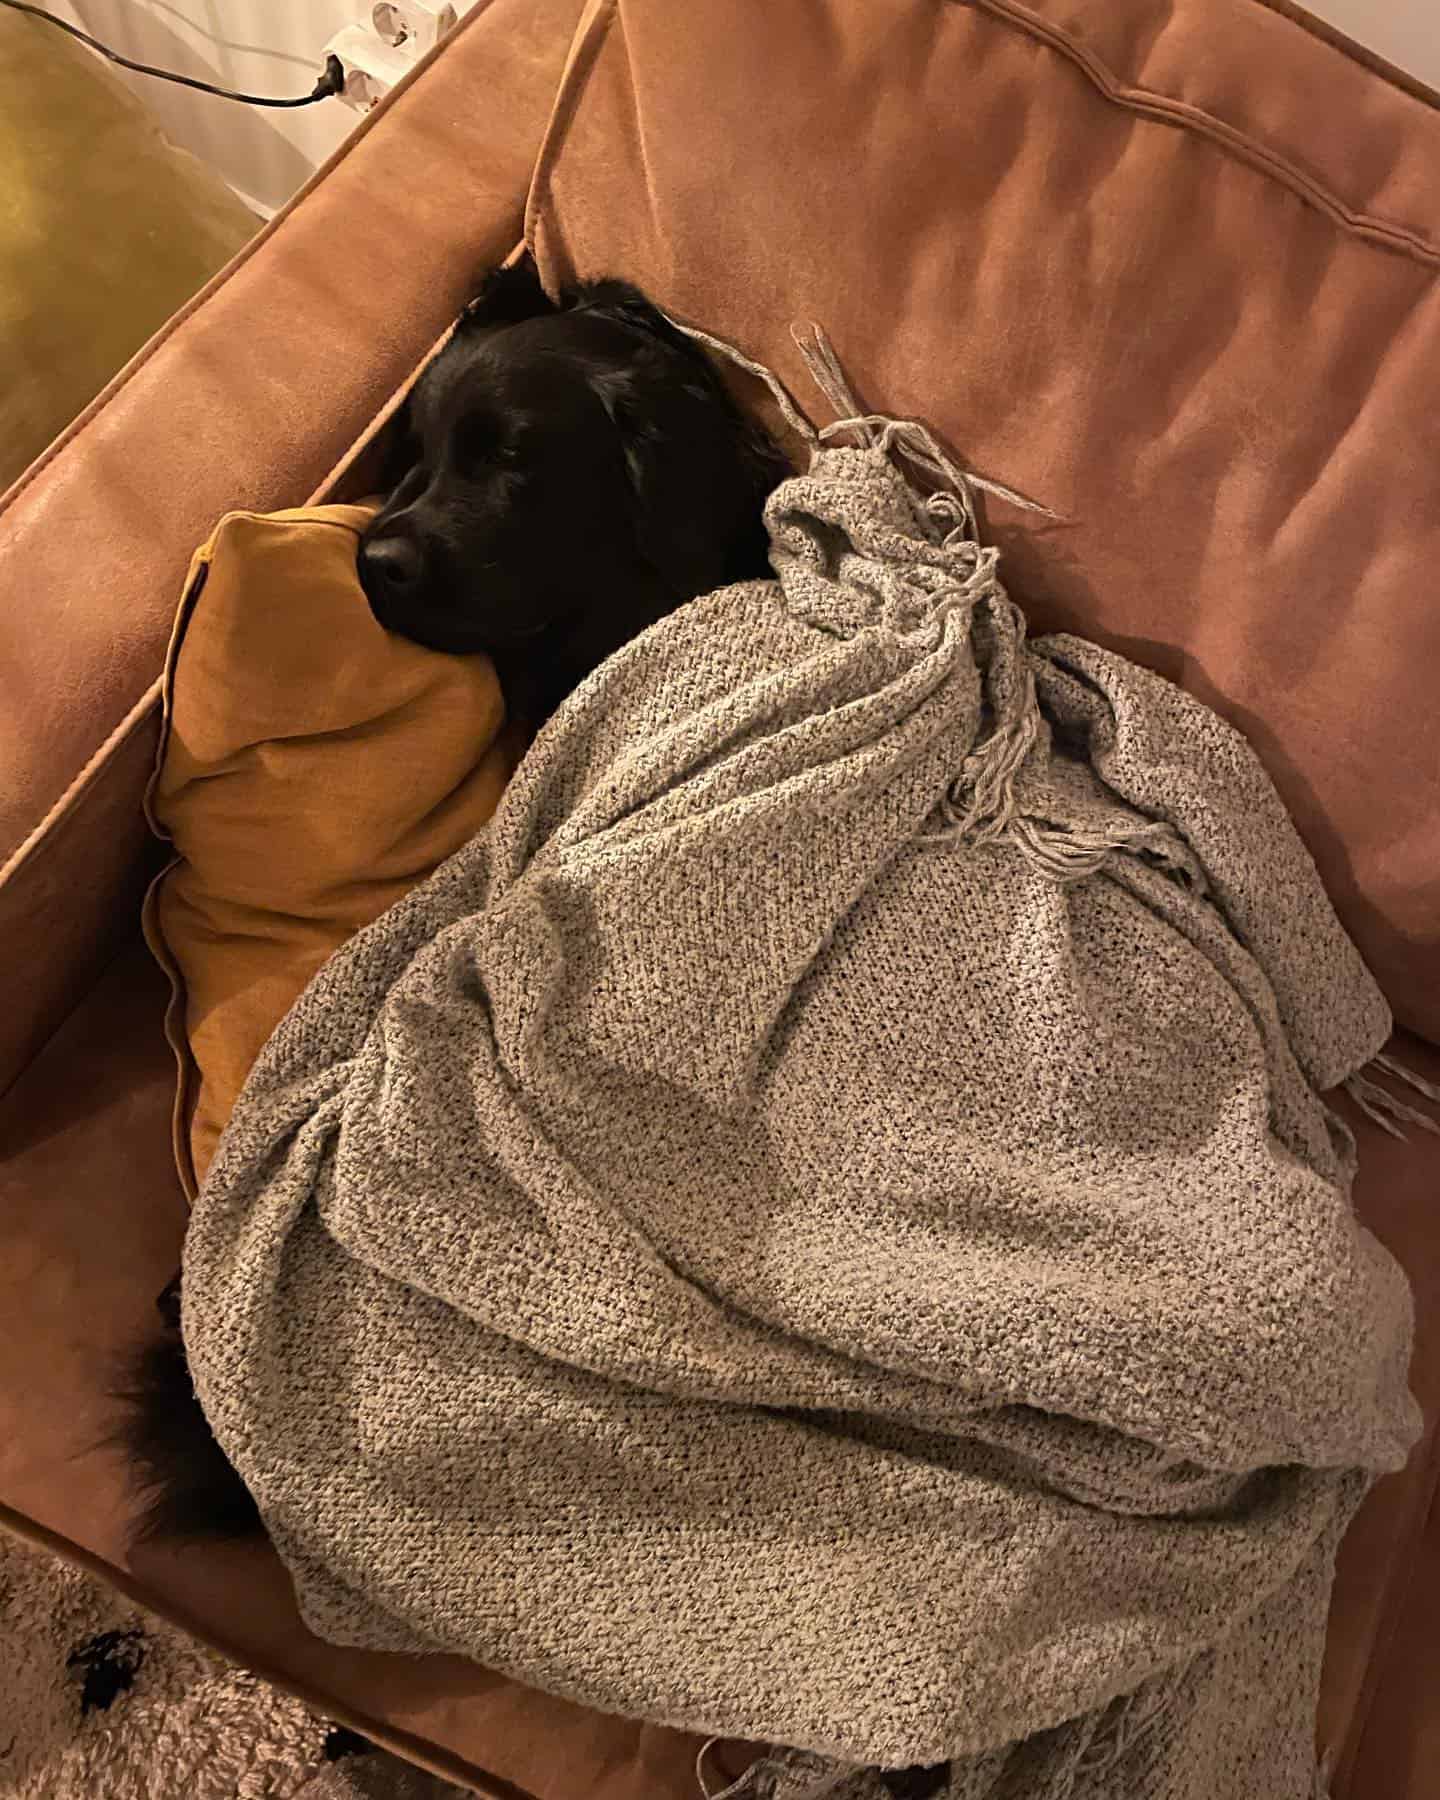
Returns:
(106, 1667)
(188, 1488)
(920, 1782)
(564, 474)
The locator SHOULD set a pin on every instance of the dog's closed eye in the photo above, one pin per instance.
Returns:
(578, 470)
(483, 441)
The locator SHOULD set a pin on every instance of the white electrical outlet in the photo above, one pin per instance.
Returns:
(371, 68)
(392, 40)
(411, 26)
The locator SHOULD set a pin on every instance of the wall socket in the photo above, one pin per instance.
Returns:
(413, 26)
(377, 52)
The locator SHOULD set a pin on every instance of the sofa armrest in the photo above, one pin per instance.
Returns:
(247, 399)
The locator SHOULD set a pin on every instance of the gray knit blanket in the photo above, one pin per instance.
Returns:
(820, 1225)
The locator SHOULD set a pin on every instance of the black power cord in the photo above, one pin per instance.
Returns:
(329, 83)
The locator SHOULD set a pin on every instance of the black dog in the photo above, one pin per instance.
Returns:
(564, 474)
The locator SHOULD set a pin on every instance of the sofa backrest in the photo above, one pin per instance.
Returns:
(1168, 266)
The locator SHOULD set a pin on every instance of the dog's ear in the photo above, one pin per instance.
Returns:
(698, 513)
(399, 449)
(698, 483)
(507, 296)
(626, 305)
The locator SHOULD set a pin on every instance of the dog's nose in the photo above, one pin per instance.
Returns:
(392, 564)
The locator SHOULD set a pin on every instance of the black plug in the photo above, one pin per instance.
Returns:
(332, 81)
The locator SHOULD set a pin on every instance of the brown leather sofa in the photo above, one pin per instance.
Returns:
(1170, 265)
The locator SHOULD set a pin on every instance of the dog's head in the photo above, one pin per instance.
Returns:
(565, 472)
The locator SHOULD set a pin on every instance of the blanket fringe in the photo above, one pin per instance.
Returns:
(1137, 1716)
(981, 805)
(1386, 1109)
(826, 1786)
(732, 1790)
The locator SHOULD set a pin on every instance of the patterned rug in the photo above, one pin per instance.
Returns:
(101, 1701)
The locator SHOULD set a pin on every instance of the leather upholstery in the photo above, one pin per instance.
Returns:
(246, 400)
(1168, 266)
(252, 395)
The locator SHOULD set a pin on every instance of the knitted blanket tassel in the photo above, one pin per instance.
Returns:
(982, 805)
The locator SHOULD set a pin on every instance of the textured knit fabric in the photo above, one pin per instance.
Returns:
(102, 1701)
(819, 1225)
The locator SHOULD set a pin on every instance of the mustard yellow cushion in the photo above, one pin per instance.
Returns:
(312, 770)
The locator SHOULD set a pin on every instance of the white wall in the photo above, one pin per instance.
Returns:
(260, 46)
(1404, 32)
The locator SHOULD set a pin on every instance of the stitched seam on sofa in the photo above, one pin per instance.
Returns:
(1159, 108)
(138, 714)
(322, 495)
(175, 1035)
(585, 48)
(1166, 111)
(124, 376)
